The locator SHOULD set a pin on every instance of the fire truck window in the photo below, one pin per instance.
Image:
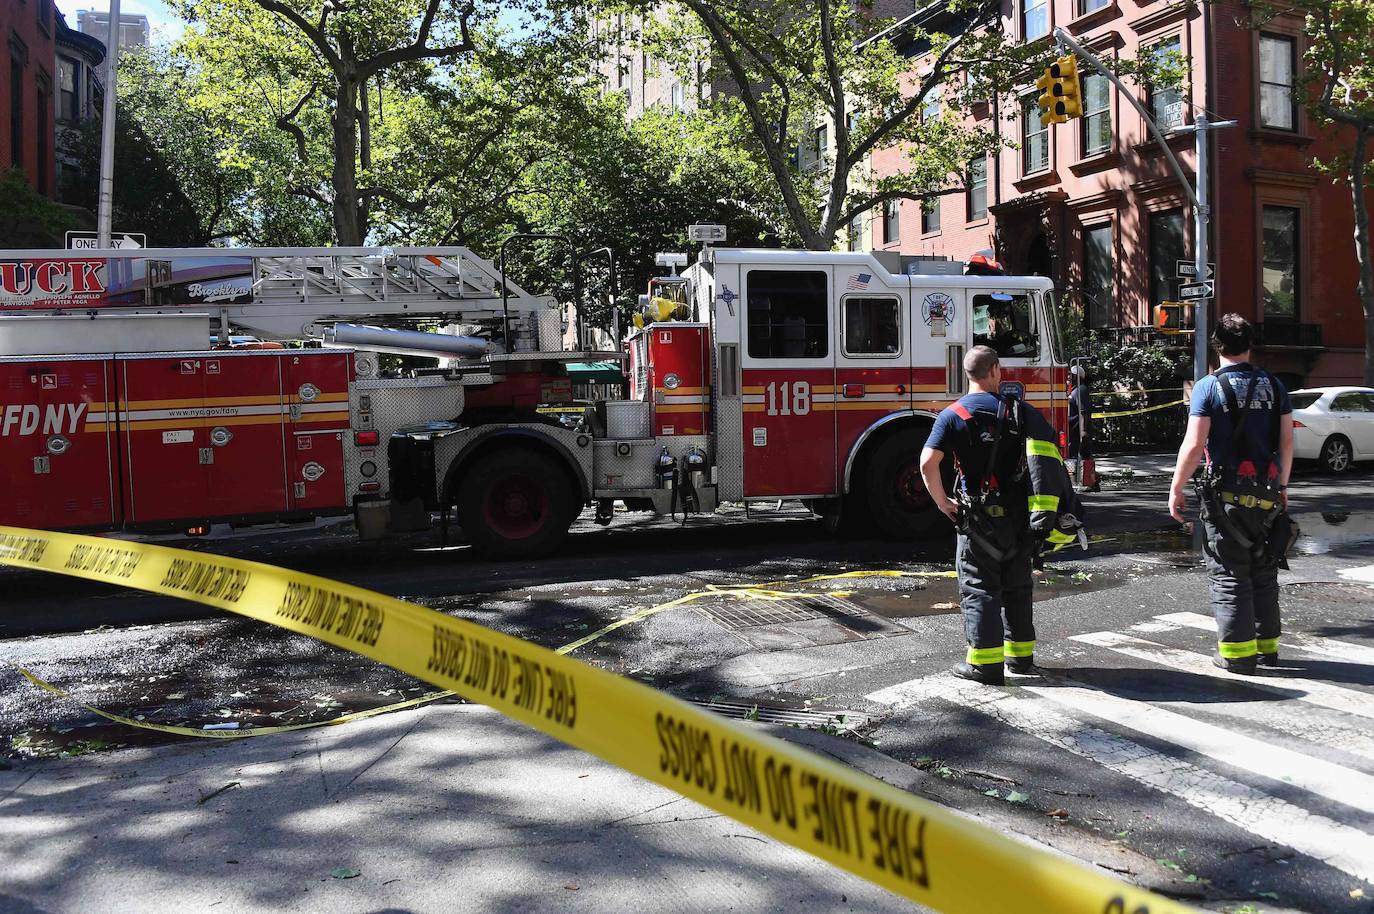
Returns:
(870, 326)
(1003, 321)
(788, 315)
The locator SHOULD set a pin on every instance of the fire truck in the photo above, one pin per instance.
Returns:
(161, 389)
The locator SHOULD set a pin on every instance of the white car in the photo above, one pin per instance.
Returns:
(1333, 426)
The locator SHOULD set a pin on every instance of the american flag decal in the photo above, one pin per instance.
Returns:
(858, 281)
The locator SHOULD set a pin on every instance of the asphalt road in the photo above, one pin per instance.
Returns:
(1129, 750)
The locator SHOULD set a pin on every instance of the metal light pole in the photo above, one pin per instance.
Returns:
(107, 133)
(1202, 210)
(1202, 217)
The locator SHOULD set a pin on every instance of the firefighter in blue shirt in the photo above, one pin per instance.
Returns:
(1013, 494)
(1241, 419)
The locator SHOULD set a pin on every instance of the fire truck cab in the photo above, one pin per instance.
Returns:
(830, 370)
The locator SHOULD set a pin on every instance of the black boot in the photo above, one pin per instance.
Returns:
(1022, 666)
(1245, 666)
(1271, 659)
(985, 673)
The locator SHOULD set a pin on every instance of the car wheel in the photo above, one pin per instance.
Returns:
(1336, 455)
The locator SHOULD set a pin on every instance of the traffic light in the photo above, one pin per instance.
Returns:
(1172, 317)
(1060, 95)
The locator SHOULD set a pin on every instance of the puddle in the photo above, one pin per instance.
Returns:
(940, 596)
(82, 732)
(1334, 531)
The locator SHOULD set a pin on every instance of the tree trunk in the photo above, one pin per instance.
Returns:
(1359, 162)
(349, 229)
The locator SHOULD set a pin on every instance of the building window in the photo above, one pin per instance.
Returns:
(1278, 56)
(1281, 263)
(1091, 6)
(856, 233)
(44, 100)
(872, 326)
(1035, 19)
(1166, 105)
(68, 78)
(930, 105)
(16, 110)
(45, 15)
(675, 96)
(930, 216)
(1098, 275)
(977, 188)
(1035, 138)
(1167, 248)
(892, 231)
(788, 314)
(1097, 114)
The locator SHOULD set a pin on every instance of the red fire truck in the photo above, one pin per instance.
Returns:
(132, 401)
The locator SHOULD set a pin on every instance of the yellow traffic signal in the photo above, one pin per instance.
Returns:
(1048, 102)
(1070, 91)
(1060, 94)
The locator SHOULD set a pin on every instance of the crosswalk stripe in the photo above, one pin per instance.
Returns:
(1310, 644)
(1326, 779)
(1349, 736)
(1312, 691)
(1347, 849)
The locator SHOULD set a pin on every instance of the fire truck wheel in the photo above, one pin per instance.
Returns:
(515, 503)
(897, 501)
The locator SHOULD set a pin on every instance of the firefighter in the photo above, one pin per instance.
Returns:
(1241, 419)
(1080, 428)
(988, 434)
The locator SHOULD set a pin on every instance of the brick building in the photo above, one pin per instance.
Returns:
(1093, 204)
(27, 106)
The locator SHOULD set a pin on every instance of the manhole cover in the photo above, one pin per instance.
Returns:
(746, 710)
(735, 613)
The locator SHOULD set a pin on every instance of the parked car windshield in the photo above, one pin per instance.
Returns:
(1304, 400)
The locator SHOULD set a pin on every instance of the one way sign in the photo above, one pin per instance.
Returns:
(1188, 270)
(1195, 290)
(119, 241)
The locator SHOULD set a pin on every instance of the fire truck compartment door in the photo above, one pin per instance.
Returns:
(939, 339)
(56, 464)
(244, 430)
(787, 366)
(316, 386)
(163, 438)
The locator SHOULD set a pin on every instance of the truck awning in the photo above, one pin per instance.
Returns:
(595, 372)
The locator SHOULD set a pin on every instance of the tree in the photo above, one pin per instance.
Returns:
(27, 218)
(797, 67)
(325, 56)
(634, 186)
(1339, 93)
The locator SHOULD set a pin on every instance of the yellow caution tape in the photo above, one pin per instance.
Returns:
(1136, 412)
(907, 844)
(1127, 392)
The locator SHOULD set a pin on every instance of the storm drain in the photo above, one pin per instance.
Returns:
(734, 613)
(737, 710)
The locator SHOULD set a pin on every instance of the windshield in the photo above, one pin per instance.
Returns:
(1056, 332)
(1302, 401)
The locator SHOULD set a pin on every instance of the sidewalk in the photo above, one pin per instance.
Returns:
(446, 808)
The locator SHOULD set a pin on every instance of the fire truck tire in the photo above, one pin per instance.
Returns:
(516, 503)
(897, 502)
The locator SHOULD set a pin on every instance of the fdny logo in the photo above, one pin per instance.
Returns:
(937, 305)
(26, 419)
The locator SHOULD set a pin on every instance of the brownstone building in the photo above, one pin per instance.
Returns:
(27, 107)
(1093, 204)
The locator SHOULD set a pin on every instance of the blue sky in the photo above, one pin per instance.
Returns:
(165, 26)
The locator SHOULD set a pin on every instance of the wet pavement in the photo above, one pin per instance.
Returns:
(792, 625)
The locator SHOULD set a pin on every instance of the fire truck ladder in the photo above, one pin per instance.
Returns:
(304, 293)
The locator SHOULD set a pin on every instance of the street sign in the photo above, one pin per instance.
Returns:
(119, 241)
(1187, 270)
(1195, 290)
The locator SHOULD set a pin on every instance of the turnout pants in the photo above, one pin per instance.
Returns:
(1243, 580)
(995, 595)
